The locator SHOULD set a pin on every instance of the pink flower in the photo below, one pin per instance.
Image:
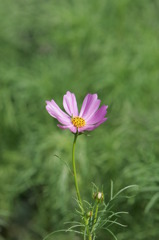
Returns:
(89, 118)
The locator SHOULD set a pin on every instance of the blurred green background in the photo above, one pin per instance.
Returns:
(109, 47)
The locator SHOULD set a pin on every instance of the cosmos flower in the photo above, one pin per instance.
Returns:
(89, 118)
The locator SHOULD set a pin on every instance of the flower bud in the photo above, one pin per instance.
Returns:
(99, 196)
(89, 214)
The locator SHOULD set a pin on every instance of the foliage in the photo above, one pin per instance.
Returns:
(47, 48)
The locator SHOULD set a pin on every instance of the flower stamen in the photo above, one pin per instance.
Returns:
(78, 122)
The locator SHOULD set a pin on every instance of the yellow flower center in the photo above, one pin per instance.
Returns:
(78, 122)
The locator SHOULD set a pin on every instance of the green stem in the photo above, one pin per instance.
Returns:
(95, 217)
(77, 189)
(96, 213)
(90, 237)
(75, 175)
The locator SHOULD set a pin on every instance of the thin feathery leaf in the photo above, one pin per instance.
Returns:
(89, 204)
(111, 233)
(111, 190)
(78, 225)
(94, 185)
(72, 222)
(50, 234)
(79, 213)
(151, 202)
(85, 233)
(122, 190)
(117, 214)
(117, 223)
(78, 232)
(79, 204)
(67, 165)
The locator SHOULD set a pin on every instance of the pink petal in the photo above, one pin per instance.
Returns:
(98, 115)
(70, 127)
(70, 104)
(89, 106)
(90, 127)
(54, 110)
